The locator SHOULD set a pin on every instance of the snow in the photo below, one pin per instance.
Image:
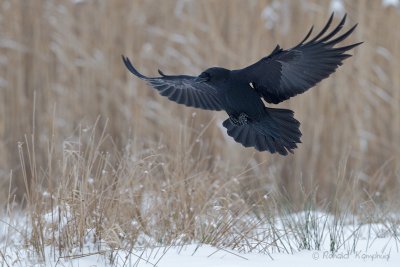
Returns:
(365, 245)
(273, 16)
(198, 255)
(394, 3)
(337, 6)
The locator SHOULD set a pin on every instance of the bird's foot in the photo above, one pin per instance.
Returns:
(242, 119)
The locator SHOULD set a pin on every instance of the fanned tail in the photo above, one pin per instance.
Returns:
(277, 132)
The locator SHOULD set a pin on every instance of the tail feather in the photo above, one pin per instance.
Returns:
(278, 131)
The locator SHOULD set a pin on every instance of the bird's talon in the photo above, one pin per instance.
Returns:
(234, 120)
(243, 119)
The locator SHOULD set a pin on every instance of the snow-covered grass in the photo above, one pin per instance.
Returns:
(145, 208)
(206, 255)
(358, 244)
(157, 183)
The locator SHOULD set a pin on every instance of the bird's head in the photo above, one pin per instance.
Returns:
(213, 75)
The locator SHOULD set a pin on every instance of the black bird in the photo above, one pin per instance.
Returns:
(275, 78)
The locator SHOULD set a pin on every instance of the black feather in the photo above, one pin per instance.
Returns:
(286, 73)
(276, 77)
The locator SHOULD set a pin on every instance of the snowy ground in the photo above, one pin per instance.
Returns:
(363, 245)
(205, 255)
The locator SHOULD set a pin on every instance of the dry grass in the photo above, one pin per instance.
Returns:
(150, 166)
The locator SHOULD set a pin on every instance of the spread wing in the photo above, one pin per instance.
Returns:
(183, 89)
(286, 73)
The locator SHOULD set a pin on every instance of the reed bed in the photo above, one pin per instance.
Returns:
(81, 138)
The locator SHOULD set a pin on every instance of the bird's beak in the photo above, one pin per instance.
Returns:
(200, 79)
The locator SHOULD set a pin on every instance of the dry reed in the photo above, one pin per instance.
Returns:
(77, 129)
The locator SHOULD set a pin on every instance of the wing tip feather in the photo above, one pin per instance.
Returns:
(131, 68)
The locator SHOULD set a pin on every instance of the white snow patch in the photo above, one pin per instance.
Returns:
(79, 1)
(337, 6)
(384, 52)
(275, 14)
(375, 245)
(199, 255)
(387, 3)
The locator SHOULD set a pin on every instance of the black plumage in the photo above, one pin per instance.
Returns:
(275, 78)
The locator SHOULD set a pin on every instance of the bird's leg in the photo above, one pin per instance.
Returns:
(234, 120)
(243, 119)
(240, 120)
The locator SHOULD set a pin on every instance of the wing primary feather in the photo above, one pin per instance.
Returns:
(346, 48)
(286, 73)
(308, 35)
(161, 73)
(341, 37)
(130, 67)
(324, 29)
(336, 30)
(276, 50)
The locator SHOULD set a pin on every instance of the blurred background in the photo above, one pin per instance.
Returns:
(61, 75)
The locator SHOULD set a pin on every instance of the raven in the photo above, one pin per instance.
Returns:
(274, 78)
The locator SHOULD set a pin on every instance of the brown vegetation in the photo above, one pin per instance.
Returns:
(76, 125)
